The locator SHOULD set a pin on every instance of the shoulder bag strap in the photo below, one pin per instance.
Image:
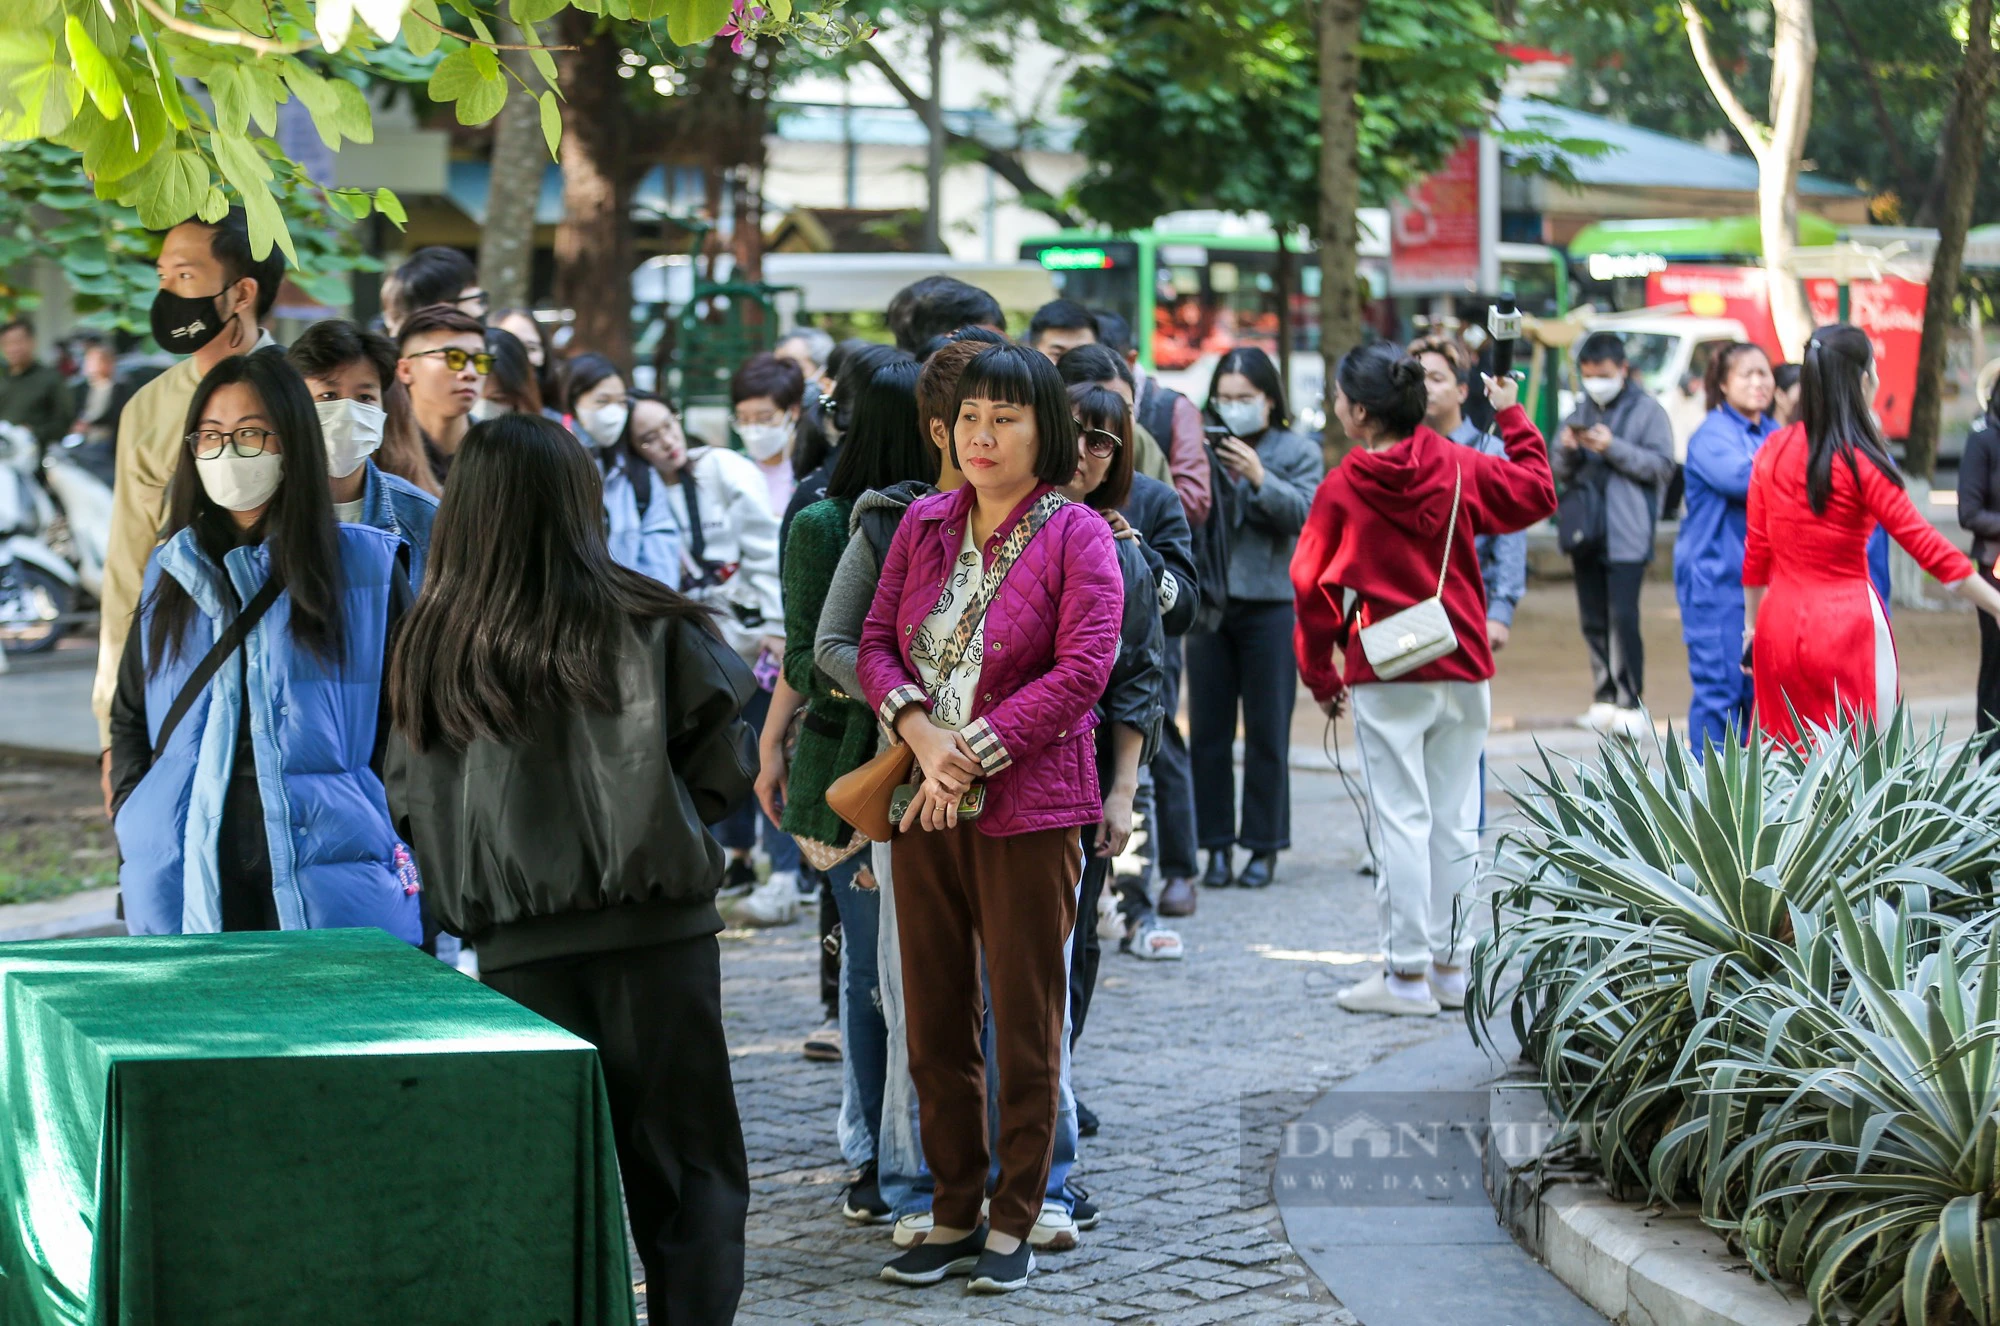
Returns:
(1010, 551)
(226, 644)
(1450, 530)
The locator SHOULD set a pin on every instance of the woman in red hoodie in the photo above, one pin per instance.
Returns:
(1390, 529)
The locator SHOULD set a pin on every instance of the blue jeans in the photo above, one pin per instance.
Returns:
(863, 1033)
(900, 1172)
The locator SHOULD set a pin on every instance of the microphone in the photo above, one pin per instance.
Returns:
(1503, 324)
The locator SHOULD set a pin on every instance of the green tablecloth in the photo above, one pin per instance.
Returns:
(324, 1127)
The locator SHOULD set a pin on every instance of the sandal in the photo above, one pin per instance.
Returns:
(1155, 943)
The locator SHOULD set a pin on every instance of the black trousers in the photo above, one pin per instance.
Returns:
(1085, 950)
(1247, 664)
(1989, 672)
(655, 1016)
(1172, 827)
(1607, 604)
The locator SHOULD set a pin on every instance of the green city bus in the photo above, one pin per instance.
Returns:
(1191, 295)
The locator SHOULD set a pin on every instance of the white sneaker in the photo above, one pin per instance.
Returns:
(1597, 718)
(1630, 723)
(1054, 1231)
(1374, 996)
(910, 1229)
(774, 902)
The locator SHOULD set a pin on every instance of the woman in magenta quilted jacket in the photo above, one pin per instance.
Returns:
(988, 646)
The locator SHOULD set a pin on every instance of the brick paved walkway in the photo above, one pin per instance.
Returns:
(1175, 1056)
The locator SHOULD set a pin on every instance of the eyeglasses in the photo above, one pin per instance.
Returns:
(208, 443)
(1101, 443)
(477, 298)
(456, 359)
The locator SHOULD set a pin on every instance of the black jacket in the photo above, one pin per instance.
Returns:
(1154, 509)
(1134, 695)
(1979, 490)
(591, 837)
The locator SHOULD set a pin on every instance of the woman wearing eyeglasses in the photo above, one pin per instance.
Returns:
(276, 742)
(443, 363)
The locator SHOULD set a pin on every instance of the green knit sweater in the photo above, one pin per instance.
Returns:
(838, 733)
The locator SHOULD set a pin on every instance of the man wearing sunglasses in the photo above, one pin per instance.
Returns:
(443, 364)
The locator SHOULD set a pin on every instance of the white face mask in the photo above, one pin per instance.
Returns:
(764, 441)
(1244, 418)
(240, 483)
(486, 408)
(1603, 390)
(353, 431)
(604, 424)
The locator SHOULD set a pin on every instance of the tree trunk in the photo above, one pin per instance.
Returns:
(594, 242)
(1779, 150)
(514, 186)
(1965, 142)
(1792, 54)
(1282, 281)
(1339, 196)
(933, 113)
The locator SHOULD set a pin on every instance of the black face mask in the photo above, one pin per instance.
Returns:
(183, 324)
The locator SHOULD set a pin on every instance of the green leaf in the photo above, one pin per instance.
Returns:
(351, 113)
(170, 192)
(525, 12)
(545, 65)
(389, 205)
(316, 94)
(95, 72)
(486, 59)
(125, 145)
(267, 224)
(456, 75)
(264, 90)
(694, 21)
(241, 164)
(418, 35)
(552, 124)
(226, 88)
(214, 206)
(482, 101)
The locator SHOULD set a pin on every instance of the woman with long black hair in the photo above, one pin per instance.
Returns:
(565, 730)
(249, 693)
(1816, 633)
(1979, 512)
(1245, 664)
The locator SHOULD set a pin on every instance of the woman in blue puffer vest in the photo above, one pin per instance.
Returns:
(261, 808)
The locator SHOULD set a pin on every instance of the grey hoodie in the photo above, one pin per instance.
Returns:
(837, 644)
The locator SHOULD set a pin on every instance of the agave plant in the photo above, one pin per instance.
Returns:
(1648, 896)
(1872, 1164)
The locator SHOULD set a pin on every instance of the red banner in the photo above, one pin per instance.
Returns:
(1891, 311)
(1434, 230)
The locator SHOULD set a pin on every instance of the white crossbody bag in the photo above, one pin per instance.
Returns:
(1419, 634)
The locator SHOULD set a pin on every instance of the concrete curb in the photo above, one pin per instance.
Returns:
(92, 912)
(1638, 1268)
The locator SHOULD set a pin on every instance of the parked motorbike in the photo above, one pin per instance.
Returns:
(78, 475)
(38, 588)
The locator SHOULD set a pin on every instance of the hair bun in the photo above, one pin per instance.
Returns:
(1406, 372)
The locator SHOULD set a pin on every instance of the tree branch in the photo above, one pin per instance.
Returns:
(223, 36)
(1905, 177)
(1007, 166)
(1754, 134)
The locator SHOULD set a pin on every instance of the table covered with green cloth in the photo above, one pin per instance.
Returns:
(311, 1126)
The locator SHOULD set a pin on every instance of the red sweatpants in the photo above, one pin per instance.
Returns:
(958, 893)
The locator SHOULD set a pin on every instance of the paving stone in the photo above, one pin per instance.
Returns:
(1193, 1066)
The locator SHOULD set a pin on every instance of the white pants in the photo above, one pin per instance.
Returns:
(1420, 744)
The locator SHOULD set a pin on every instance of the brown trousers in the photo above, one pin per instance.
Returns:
(958, 893)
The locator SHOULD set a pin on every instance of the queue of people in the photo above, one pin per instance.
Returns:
(454, 638)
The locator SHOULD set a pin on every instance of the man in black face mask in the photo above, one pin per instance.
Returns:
(212, 300)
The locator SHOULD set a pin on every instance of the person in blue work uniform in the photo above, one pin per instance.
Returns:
(1708, 555)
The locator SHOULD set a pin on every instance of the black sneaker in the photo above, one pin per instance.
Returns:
(1086, 1121)
(864, 1204)
(741, 877)
(1081, 1209)
(928, 1262)
(997, 1274)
